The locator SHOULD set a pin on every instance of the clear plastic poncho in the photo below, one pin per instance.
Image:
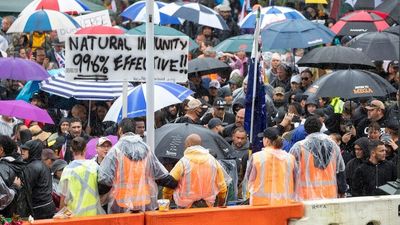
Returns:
(6, 195)
(319, 160)
(131, 168)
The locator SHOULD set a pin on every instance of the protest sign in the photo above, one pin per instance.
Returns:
(120, 57)
(88, 20)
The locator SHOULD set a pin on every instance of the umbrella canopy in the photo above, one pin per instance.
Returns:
(67, 6)
(393, 30)
(366, 4)
(336, 57)
(377, 45)
(19, 5)
(81, 90)
(137, 13)
(99, 30)
(206, 65)
(3, 43)
(23, 110)
(237, 43)
(42, 20)
(196, 13)
(392, 8)
(170, 140)
(91, 146)
(21, 69)
(295, 34)
(162, 31)
(165, 94)
(359, 22)
(269, 15)
(350, 84)
(316, 2)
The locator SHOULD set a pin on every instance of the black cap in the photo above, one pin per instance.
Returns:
(320, 113)
(214, 122)
(219, 103)
(271, 133)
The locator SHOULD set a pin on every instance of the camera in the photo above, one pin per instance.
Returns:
(296, 119)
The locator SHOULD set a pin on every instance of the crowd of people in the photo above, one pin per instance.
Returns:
(313, 148)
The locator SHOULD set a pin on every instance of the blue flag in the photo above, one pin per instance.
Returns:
(258, 115)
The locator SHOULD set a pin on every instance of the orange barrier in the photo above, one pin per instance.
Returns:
(117, 219)
(234, 215)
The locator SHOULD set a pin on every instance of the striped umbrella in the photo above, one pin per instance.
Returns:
(269, 15)
(81, 90)
(196, 13)
(67, 6)
(137, 13)
(42, 20)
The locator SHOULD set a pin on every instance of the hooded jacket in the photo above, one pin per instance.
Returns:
(352, 165)
(37, 174)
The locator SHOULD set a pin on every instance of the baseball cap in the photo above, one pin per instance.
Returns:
(102, 140)
(279, 90)
(219, 103)
(271, 133)
(48, 154)
(214, 122)
(375, 104)
(320, 113)
(194, 103)
(295, 79)
(214, 84)
(224, 8)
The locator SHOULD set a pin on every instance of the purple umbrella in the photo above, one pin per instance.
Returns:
(21, 69)
(22, 110)
(91, 146)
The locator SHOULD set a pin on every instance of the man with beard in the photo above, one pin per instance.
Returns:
(279, 99)
(374, 172)
(194, 113)
(225, 12)
(219, 112)
(241, 151)
(239, 122)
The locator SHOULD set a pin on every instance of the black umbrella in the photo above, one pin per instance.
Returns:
(336, 57)
(350, 84)
(170, 140)
(365, 4)
(393, 30)
(206, 66)
(391, 7)
(377, 45)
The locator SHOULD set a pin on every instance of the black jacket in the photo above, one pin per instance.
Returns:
(368, 177)
(68, 156)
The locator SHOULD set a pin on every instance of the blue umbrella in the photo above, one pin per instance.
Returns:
(165, 94)
(137, 13)
(290, 34)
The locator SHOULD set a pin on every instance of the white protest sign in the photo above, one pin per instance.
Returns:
(88, 20)
(119, 57)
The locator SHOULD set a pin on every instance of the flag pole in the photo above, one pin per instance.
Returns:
(150, 74)
(254, 54)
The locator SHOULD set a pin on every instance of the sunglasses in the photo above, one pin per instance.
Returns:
(304, 78)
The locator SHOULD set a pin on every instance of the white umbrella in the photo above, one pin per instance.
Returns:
(67, 6)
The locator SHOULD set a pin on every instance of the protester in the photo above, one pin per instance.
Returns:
(201, 179)
(103, 145)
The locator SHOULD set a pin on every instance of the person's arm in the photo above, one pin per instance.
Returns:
(62, 201)
(175, 173)
(106, 173)
(221, 184)
(6, 194)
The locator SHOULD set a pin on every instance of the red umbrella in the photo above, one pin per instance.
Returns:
(359, 22)
(100, 30)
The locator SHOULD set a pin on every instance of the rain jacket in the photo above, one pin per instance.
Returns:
(6, 195)
(200, 177)
(321, 168)
(139, 184)
(368, 177)
(38, 177)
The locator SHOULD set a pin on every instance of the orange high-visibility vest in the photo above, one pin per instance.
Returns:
(274, 181)
(131, 187)
(316, 183)
(198, 183)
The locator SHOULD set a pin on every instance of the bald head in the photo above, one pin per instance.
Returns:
(192, 140)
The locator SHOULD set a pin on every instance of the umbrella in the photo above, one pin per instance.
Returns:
(206, 66)
(196, 13)
(21, 69)
(99, 30)
(237, 43)
(269, 15)
(3, 43)
(316, 2)
(42, 20)
(170, 140)
(393, 30)
(23, 110)
(81, 90)
(91, 146)
(377, 45)
(137, 13)
(67, 6)
(295, 34)
(162, 31)
(350, 84)
(358, 22)
(165, 94)
(336, 57)
(366, 4)
(392, 8)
